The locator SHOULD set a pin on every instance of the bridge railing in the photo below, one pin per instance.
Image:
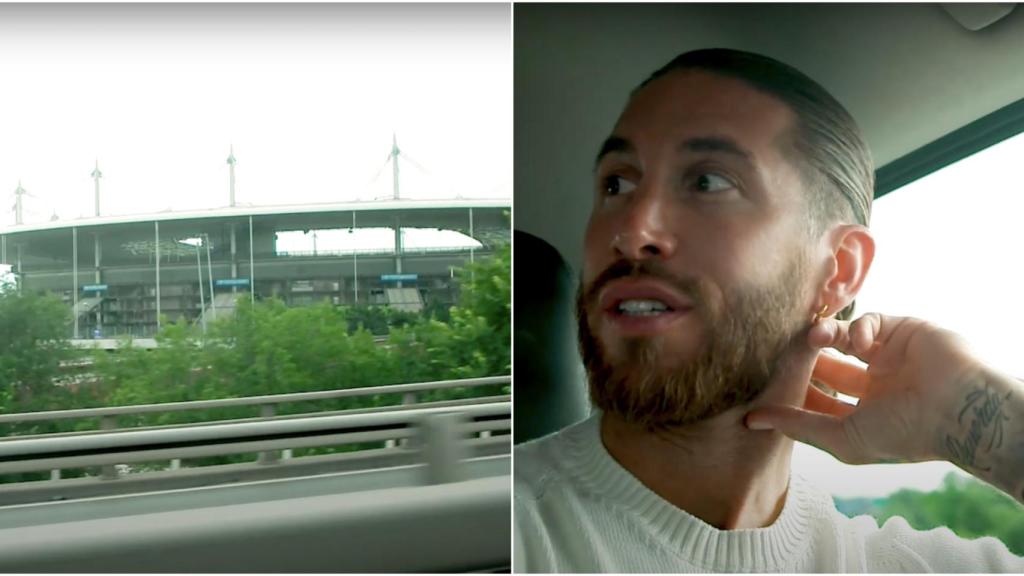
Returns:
(268, 401)
(438, 431)
(270, 452)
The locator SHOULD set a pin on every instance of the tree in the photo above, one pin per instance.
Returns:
(477, 339)
(966, 506)
(33, 347)
(378, 320)
(486, 304)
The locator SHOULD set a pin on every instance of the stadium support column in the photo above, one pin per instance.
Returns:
(156, 243)
(398, 248)
(97, 278)
(234, 258)
(74, 276)
(21, 273)
(252, 267)
(3, 249)
(471, 246)
(355, 264)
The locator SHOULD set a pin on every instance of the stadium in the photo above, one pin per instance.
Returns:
(126, 275)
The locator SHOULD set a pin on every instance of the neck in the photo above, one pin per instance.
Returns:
(718, 470)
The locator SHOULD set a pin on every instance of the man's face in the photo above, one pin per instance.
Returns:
(696, 260)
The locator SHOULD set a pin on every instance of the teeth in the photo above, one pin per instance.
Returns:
(642, 307)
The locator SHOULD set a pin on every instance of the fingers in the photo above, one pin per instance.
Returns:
(818, 401)
(860, 338)
(823, 431)
(845, 377)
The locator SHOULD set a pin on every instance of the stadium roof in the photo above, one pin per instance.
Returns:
(243, 211)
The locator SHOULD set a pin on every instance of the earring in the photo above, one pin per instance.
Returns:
(819, 314)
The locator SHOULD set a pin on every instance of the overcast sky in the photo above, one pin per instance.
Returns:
(308, 95)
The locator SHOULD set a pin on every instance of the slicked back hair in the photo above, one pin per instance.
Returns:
(826, 145)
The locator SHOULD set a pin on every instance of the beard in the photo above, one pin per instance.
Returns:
(746, 338)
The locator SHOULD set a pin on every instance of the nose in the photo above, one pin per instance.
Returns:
(646, 233)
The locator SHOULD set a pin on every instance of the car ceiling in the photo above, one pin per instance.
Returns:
(909, 74)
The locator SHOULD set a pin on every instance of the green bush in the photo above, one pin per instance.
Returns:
(969, 507)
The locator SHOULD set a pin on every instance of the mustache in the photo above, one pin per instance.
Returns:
(623, 268)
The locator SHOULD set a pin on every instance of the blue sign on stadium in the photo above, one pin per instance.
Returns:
(399, 277)
(231, 282)
(94, 288)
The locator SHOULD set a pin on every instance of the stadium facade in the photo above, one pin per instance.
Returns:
(126, 275)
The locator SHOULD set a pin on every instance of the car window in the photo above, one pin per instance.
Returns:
(283, 231)
(948, 250)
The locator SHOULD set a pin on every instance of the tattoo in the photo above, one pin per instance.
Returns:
(986, 418)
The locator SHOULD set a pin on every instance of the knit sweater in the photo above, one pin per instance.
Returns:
(578, 510)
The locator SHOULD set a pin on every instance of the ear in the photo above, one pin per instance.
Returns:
(853, 250)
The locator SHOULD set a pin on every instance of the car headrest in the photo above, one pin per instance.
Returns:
(549, 384)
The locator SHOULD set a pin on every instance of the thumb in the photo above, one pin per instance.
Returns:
(822, 431)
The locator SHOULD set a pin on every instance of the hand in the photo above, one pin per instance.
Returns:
(908, 394)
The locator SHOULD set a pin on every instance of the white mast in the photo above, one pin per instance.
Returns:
(96, 175)
(394, 161)
(17, 203)
(231, 169)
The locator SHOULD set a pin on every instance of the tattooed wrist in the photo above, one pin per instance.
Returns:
(983, 438)
(980, 427)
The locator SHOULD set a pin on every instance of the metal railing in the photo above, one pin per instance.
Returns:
(269, 400)
(270, 452)
(438, 430)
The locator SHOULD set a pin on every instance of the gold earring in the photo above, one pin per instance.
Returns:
(820, 314)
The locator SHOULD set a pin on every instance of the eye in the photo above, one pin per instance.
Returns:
(710, 182)
(617, 185)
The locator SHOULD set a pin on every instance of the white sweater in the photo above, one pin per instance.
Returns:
(578, 510)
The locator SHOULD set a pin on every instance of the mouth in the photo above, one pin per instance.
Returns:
(643, 307)
(638, 307)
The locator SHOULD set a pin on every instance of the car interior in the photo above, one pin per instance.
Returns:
(929, 85)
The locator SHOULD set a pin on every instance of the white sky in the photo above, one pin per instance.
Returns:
(949, 251)
(308, 95)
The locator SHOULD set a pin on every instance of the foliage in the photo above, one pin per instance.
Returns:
(970, 508)
(482, 322)
(33, 348)
(475, 342)
(263, 348)
(378, 320)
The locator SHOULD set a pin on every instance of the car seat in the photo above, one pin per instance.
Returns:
(549, 384)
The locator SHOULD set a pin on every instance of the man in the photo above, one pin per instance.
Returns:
(729, 224)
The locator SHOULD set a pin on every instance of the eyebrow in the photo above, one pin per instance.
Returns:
(614, 144)
(719, 144)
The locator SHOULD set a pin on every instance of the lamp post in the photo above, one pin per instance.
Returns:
(195, 243)
(209, 277)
